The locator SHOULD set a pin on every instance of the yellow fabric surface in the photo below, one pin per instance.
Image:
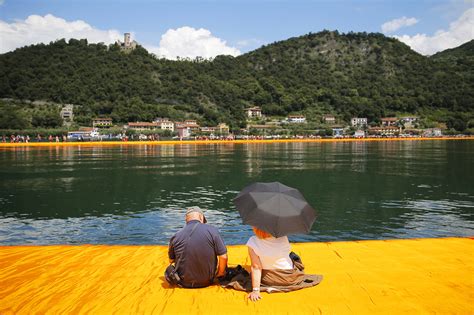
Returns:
(174, 142)
(365, 277)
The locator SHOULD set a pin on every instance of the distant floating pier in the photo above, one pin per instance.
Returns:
(180, 142)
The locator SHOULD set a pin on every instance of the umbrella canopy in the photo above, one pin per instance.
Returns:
(275, 208)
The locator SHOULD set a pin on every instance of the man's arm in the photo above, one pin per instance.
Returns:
(171, 255)
(222, 265)
(221, 253)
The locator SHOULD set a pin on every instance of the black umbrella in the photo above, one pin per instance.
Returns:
(275, 208)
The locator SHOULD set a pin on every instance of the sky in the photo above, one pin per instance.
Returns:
(187, 28)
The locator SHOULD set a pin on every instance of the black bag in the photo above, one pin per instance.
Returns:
(171, 272)
(231, 272)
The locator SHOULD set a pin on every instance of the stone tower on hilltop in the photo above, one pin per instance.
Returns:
(127, 45)
(127, 39)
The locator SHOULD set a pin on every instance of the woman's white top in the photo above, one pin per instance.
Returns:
(273, 252)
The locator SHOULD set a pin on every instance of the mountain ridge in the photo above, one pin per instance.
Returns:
(352, 74)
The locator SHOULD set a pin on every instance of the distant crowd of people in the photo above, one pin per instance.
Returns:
(38, 138)
(63, 138)
(229, 137)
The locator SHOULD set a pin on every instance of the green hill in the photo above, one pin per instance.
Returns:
(354, 74)
(459, 63)
(465, 51)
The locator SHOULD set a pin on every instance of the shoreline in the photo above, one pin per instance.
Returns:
(202, 142)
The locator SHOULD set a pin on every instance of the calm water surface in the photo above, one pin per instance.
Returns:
(137, 194)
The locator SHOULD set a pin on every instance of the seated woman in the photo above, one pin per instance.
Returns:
(273, 267)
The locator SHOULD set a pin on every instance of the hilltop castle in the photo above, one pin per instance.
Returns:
(127, 45)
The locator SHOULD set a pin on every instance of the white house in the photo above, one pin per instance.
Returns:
(356, 121)
(434, 132)
(184, 132)
(409, 121)
(359, 134)
(389, 121)
(385, 131)
(192, 124)
(253, 112)
(223, 128)
(167, 125)
(207, 129)
(102, 122)
(329, 119)
(298, 119)
(140, 126)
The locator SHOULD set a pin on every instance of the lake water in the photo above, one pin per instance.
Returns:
(137, 194)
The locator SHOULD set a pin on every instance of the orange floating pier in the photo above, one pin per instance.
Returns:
(177, 142)
(416, 276)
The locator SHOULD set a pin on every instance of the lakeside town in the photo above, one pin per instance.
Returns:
(258, 126)
(40, 120)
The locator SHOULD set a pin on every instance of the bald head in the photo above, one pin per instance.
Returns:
(194, 216)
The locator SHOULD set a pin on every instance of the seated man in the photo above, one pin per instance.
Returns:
(198, 251)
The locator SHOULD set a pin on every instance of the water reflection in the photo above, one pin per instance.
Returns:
(137, 194)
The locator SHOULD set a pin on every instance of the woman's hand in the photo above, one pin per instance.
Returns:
(254, 296)
(256, 269)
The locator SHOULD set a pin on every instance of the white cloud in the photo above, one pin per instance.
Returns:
(185, 42)
(393, 25)
(460, 31)
(44, 29)
(188, 42)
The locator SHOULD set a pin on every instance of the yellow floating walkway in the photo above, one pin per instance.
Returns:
(366, 277)
(196, 142)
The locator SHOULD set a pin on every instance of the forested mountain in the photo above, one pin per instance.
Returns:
(459, 63)
(463, 52)
(353, 74)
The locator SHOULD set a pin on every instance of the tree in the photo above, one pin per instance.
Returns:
(11, 118)
(46, 119)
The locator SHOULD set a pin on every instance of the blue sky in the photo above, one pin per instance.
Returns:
(233, 27)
